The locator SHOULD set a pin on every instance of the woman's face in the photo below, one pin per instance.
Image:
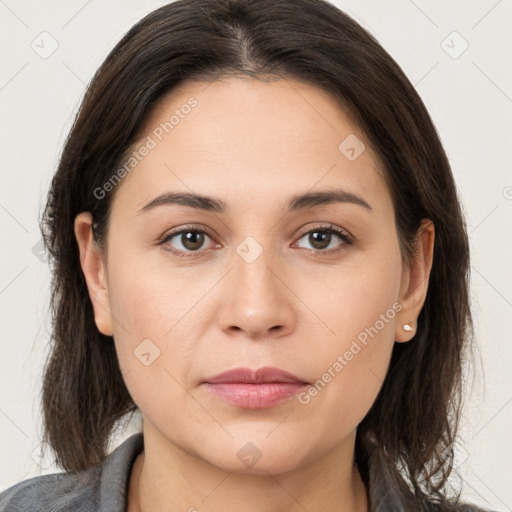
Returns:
(261, 282)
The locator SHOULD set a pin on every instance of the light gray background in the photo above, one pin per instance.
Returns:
(469, 98)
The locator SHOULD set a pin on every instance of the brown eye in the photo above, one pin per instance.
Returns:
(323, 239)
(192, 240)
(319, 239)
(186, 241)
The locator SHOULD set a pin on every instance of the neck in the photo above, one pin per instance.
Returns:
(173, 480)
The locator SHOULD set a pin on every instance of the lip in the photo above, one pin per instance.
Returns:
(255, 389)
(262, 375)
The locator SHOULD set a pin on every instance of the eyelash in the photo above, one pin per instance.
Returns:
(343, 235)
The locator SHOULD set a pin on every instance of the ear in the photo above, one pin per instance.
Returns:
(414, 286)
(91, 261)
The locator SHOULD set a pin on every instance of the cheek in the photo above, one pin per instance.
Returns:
(156, 328)
(352, 360)
(359, 295)
(152, 350)
(152, 300)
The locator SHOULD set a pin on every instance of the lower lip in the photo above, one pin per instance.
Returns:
(255, 396)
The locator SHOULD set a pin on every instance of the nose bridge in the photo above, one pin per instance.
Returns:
(256, 283)
(257, 300)
(253, 265)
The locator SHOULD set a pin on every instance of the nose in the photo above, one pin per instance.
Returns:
(257, 299)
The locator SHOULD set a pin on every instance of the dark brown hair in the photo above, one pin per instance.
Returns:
(403, 444)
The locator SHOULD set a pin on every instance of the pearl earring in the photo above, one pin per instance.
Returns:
(407, 327)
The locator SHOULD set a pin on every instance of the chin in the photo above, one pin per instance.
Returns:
(243, 456)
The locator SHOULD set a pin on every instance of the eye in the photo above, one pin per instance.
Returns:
(189, 240)
(186, 240)
(323, 239)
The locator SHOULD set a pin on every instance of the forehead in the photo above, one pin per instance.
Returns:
(233, 135)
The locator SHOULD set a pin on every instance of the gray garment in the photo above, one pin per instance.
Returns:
(102, 487)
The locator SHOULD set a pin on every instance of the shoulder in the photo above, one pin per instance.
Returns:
(101, 487)
(56, 491)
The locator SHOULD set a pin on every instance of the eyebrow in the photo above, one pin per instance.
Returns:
(296, 202)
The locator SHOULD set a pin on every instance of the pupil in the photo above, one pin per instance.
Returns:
(319, 241)
(192, 240)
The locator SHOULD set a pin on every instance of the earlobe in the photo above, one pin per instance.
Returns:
(91, 262)
(415, 282)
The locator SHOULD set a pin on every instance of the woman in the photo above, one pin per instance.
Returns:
(257, 243)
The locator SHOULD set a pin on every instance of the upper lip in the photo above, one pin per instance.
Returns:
(249, 376)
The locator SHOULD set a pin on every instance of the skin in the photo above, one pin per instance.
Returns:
(253, 145)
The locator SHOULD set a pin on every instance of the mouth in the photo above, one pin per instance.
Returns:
(264, 375)
(255, 389)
